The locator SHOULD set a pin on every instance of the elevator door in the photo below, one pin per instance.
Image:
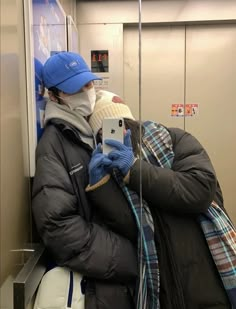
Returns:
(192, 65)
(210, 82)
(162, 75)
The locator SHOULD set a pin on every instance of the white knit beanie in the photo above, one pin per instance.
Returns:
(108, 105)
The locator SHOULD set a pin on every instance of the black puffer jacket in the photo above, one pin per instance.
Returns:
(176, 197)
(67, 227)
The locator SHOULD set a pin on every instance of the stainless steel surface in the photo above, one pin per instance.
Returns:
(211, 79)
(15, 183)
(197, 67)
(157, 11)
(140, 143)
(162, 72)
(15, 217)
(29, 277)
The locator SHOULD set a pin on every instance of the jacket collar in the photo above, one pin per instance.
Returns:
(69, 131)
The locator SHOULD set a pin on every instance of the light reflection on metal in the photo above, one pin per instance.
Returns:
(140, 143)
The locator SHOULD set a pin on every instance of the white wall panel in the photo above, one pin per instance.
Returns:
(155, 11)
(210, 82)
(162, 72)
(105, 37)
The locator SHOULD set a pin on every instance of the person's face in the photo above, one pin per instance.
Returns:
(86, 87)
(82, 101)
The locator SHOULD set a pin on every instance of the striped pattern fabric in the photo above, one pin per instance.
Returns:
(221, 238)
(149, 280)
(218, 229)
(156, 142)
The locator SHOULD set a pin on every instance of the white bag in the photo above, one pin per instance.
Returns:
(60, 288)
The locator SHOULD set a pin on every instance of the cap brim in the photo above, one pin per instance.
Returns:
(76, 82)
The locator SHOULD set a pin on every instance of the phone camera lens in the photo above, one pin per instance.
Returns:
(120, 123)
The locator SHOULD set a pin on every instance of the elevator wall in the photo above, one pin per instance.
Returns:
(15, 214)
(15, 183)
(189, 65)
(187, 58)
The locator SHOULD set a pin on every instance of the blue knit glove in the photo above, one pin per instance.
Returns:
(98, 165)
(122, 157)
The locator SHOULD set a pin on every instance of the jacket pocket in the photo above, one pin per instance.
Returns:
(115, 296)
(107, 295)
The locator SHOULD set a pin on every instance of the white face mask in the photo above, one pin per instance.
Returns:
(82, 102)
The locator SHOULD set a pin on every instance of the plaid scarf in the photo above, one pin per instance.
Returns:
(220, 235)
(149, 279)
(219, 231)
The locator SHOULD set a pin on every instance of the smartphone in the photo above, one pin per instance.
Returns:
(112, 128)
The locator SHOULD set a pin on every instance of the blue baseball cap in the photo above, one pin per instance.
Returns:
(67, 71)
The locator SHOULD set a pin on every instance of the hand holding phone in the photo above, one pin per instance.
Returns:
(98, 166)
(122, 157)
(112, 128)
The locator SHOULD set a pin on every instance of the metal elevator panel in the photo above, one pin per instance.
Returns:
(162, 72)
(210, 82)
(193, 65)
